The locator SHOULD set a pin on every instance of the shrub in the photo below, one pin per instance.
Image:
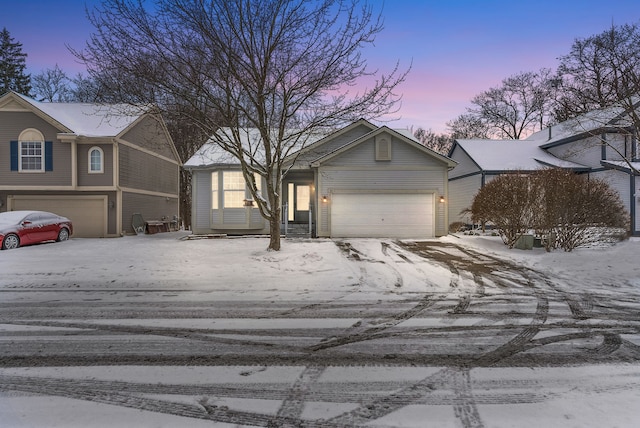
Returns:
(506, 202)
(574, 207)
(457, 226)
(564, 207)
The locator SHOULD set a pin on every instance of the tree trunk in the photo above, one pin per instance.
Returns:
(274, 225)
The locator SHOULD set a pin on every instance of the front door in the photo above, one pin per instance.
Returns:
(298, 202)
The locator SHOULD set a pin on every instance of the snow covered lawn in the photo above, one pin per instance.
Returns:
(158, 331)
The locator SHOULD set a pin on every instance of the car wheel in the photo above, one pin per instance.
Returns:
(63, 235)
(10, 242)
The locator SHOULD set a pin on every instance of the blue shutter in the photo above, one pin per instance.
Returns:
(48, 156)
(14, 155)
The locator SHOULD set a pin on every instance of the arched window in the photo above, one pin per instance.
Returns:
(31, 151)
(96, 160)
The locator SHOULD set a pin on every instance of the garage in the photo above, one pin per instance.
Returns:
(382, 215)
(87, 213)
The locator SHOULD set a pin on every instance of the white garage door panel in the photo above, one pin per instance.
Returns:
(382, 215)
(88, 215)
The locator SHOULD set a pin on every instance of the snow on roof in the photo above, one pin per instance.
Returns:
(507, 155)
(588, 122)
(406, 133)
(90, 120)
(530, 153)
(212, 154)
(622, 165)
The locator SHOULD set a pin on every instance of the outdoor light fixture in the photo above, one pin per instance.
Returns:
(325, 199)
(442, 199)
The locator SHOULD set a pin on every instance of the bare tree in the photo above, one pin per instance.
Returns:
(282, 67)
(599, 71)
(86, 90)
(519, 106)
(440, 143)
(599, 83)
(468, 126)
(52, 85)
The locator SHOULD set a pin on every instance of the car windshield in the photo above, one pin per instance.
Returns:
(12, 217)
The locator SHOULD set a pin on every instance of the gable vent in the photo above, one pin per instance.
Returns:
(383, 149)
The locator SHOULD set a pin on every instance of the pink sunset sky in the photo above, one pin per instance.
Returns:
(457, 48)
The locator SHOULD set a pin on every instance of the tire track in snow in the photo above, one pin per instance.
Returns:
(449, 386)
(368, 333)
(293, 405)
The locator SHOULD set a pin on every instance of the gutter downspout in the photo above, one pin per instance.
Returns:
(634, 198)
(74, 165)
(116, 181)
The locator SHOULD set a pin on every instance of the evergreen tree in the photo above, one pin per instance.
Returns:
(12, 66)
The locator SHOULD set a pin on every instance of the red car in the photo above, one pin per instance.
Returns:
(31, 227)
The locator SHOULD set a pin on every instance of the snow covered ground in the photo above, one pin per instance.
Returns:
(157, 331)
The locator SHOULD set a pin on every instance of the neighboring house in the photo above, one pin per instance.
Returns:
(95, 164)
(360, 181)
(575, 145)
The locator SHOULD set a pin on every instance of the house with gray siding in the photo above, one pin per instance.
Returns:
(360, 181)
(600, 144)
(95, 164)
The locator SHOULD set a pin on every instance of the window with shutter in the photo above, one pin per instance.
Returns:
(31, 153)
(31, 156)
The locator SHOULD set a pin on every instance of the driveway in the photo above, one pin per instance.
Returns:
(434, 333)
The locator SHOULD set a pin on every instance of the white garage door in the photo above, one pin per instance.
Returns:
(382, 215)
(87, 213)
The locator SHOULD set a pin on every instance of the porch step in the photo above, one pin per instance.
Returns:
(297, 231)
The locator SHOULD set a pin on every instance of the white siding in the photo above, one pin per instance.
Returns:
(377, 179)
(402, 154)
(461, 194)
(314, 153)
(256, 218)
(489, 177)
(618, 147)
(409, 171)
(228, 220)
(201, 203)
(465, 164)
(620, 181)
(637, 202)
(585, 152)
(234, 216)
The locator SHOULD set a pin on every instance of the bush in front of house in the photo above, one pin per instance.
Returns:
(566, 209)
(506, 202)
(457, 226)
(576, 210)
